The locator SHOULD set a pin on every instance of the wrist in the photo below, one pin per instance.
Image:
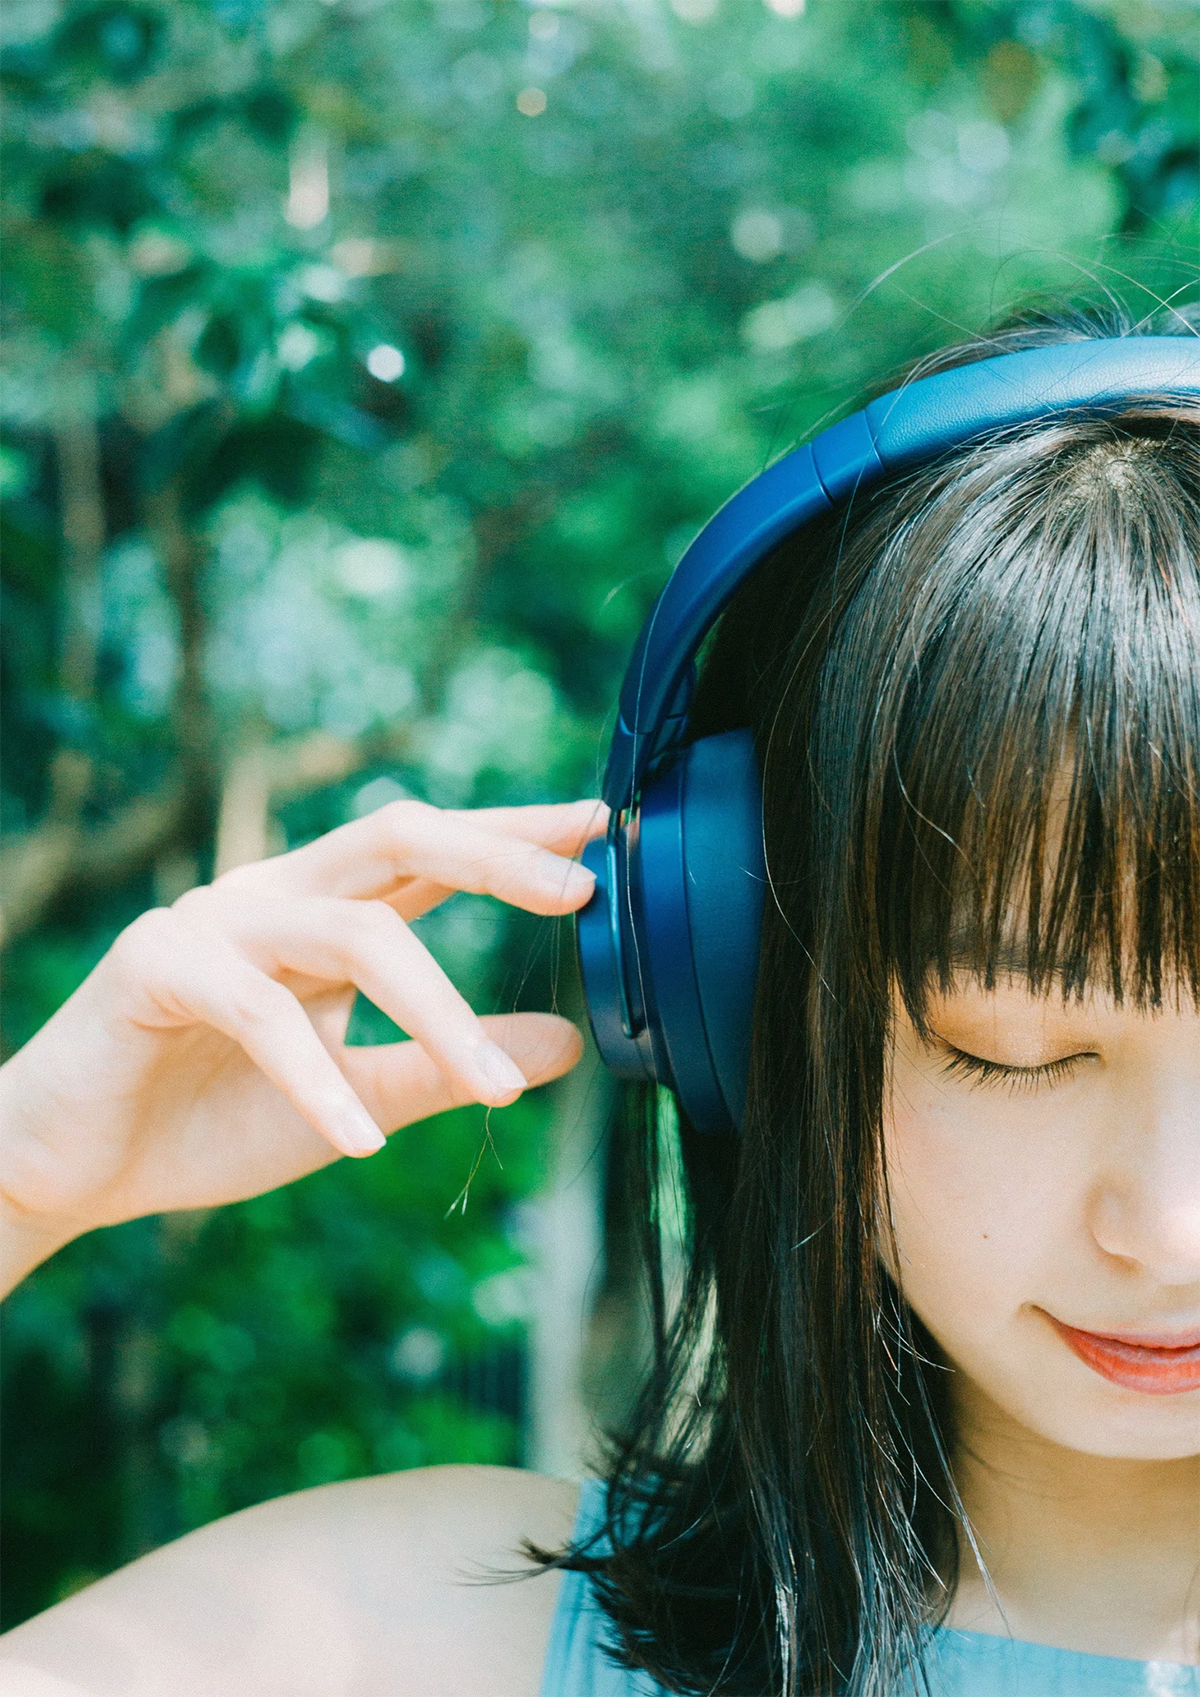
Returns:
(28, 1235)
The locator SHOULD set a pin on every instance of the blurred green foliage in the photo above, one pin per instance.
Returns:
(369, 363)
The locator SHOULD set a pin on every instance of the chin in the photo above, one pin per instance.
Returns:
(1033, 1381)
(1103, 1419)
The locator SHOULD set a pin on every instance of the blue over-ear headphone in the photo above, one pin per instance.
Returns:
(668, 944)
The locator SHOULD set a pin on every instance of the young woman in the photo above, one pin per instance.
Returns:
(927, 1413)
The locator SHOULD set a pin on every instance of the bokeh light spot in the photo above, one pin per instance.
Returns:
(385, 362)
(297, 344)
(370, 566)
(532, 102)
(757, 235)
(694, 11)
(780, 324)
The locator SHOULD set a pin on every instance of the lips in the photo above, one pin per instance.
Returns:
(1157, 1364)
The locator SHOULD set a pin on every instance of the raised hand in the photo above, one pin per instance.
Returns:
(203, 1060)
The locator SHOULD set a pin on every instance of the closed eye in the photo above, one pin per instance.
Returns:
(958, 1063)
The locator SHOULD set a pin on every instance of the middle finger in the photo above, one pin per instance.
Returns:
(368, 945)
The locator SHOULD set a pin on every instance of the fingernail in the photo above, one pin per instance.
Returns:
(500, 1072)
(359, 1135)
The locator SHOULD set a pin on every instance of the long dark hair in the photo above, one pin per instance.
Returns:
(926, 672)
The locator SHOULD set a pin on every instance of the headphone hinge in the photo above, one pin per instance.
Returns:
(615, 890)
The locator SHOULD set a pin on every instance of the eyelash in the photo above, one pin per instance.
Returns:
(991, 1073)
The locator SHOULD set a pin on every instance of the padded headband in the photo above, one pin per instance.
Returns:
(908, 427)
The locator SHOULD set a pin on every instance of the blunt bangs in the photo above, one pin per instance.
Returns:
(1012, 696)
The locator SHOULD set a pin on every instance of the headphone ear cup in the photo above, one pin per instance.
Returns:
(700, 854)
(668, 945)
(726, 882)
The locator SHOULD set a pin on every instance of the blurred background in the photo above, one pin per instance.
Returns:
(369, 365)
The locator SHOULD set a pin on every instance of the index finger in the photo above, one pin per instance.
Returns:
(565, 827)
(373, 857)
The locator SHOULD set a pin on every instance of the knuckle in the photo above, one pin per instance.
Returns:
(142, 943)
(156, 925)
(194, 903)
(235, 880)
(398, 818)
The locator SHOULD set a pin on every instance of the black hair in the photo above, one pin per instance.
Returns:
(976, 699)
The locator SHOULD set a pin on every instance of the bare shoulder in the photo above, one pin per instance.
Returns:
(359, 1588)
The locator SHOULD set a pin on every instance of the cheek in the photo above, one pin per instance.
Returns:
(979, 1207)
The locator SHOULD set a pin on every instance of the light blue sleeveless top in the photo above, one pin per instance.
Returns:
(960, 1664)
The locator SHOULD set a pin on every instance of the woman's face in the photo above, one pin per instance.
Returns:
(1044, 1171)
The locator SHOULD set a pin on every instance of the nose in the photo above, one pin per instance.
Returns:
(1146, 1205)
